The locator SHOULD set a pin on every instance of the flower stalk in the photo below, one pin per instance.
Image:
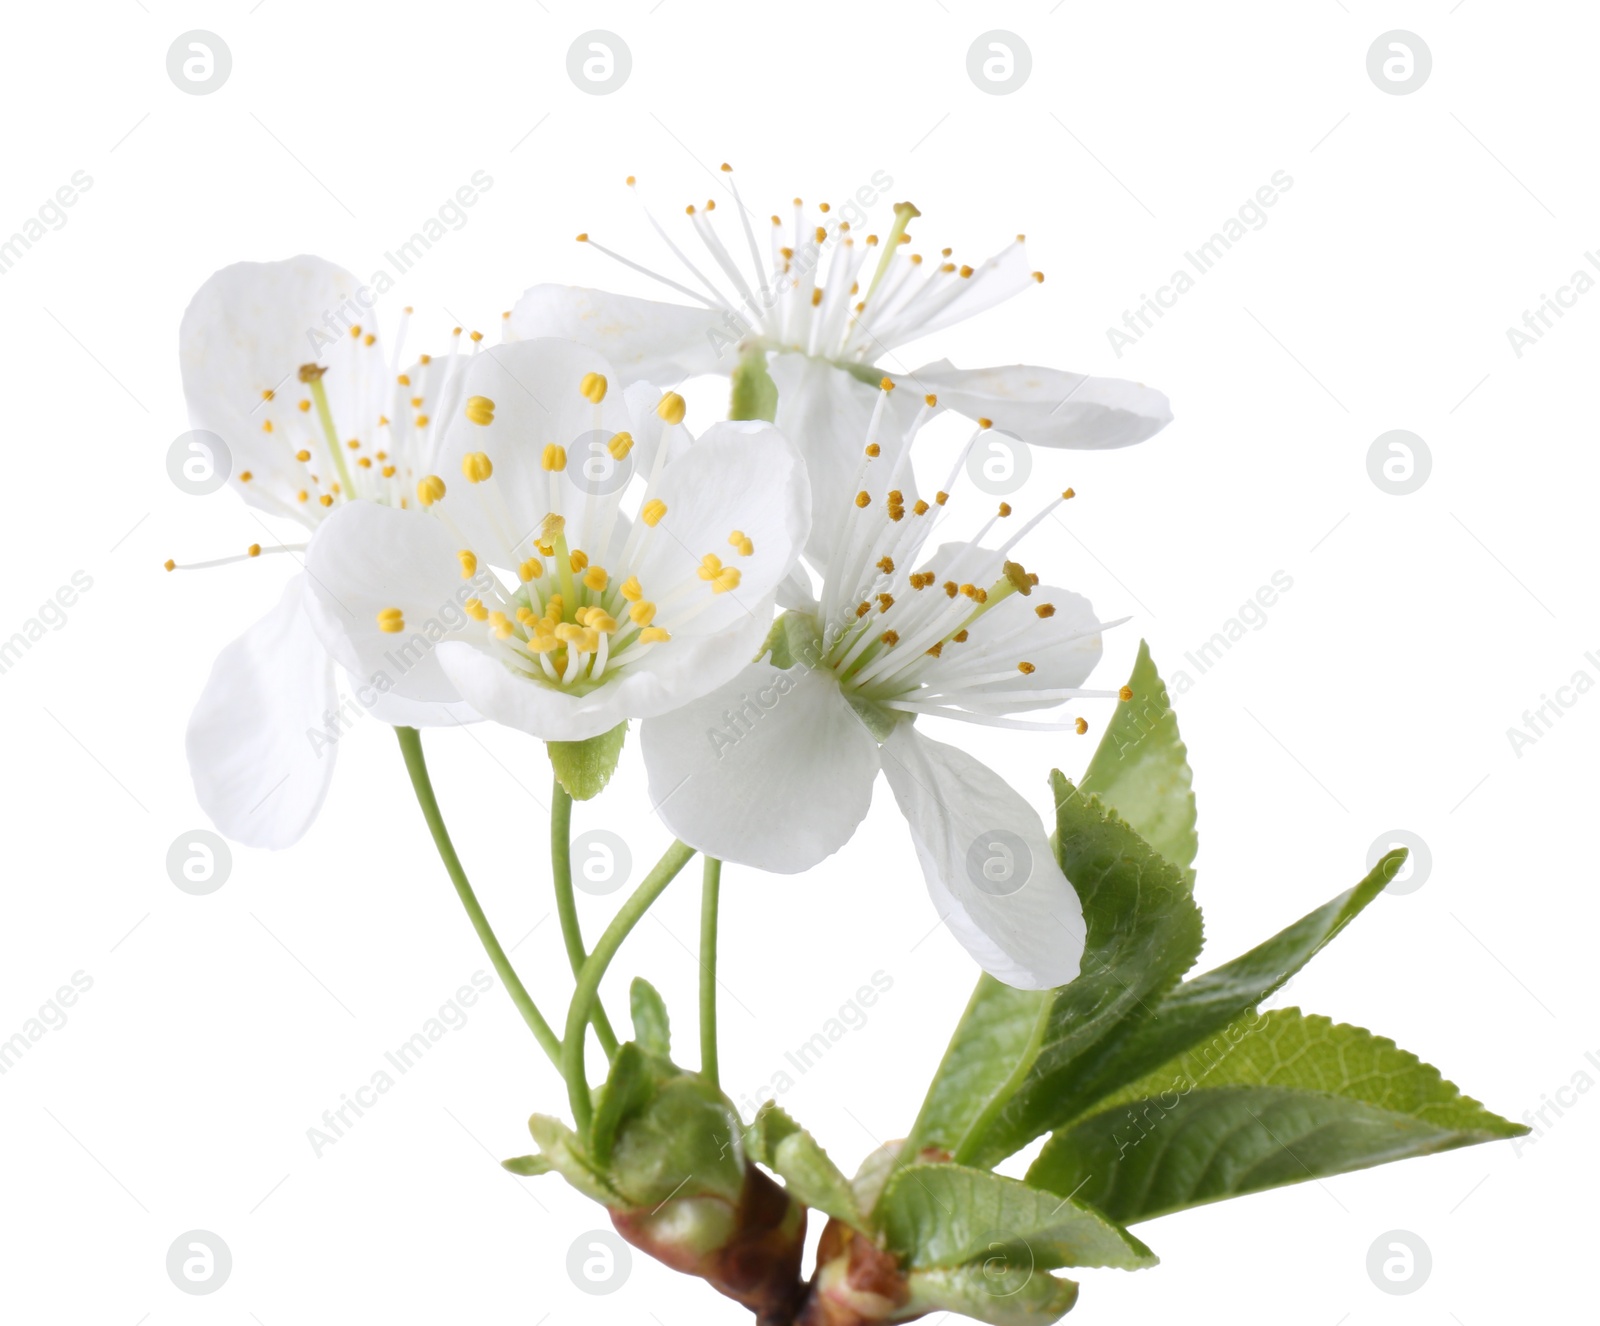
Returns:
(567, 907)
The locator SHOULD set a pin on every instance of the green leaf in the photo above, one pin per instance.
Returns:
(994, 1044)
(1144, 933)
(1277, 1098)
(583, 768)
(778, 1142)
(948, 1215)
(1199, 1009)
(874, 1173)
(651, 1026)
(996, 1292)
(1141, 768)
(563, 1153)
(527, 1166)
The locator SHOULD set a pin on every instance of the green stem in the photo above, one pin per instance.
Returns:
(417, 767)
(567, 906)
(628, 915)
(710, 887)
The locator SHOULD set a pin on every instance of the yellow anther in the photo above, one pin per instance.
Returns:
(326, 499)
(930, 400)
(480, 410)
(391, 621)
(921, 507)
(941, 498)
(305, 407)
(985, 423)
(951, 588)
(469, 563)
(652, 512)
(960, 637)
(1045, 610)
(170, 565)
(710, 566)
(1067, 494)
(254, 550)
(500, 624)
(421, 421)
(886, 384)
(890, 638)
(477, 466)
(577, 560)
(266, 425)
(424, 359)
(302, 496)
(354, 444)
(569, 633)
(268, 394)
(554, 458)
(531, 569)
(404, 379)
(863, 608)
(474, 608)
(620, 445)
(863, 499)
(387, 471)
(965, 270)
(583, 237)
(603, 622)
(727, 579)
(475, 337)
(1039, 277)
(885, 602)
(937, 648)
(671, 408)
(816, 297)
(1025, 668)
(653, 635)
(593, 387)
(886, 565)
(302, 455)
(642, 613)
(873, 451)
(631, 589)
(430, 490)
(1005, 509)
(245, 476)
(355, 332)
(595, 577)
(369, 339)
(1125, 694)
(741, 541)
(1080, 727)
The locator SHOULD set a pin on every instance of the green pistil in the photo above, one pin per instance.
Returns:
(320, 396)
(903, 212)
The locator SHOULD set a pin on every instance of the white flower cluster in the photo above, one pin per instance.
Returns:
(529, 533)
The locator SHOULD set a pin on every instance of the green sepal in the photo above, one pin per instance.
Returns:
(949, 1215)
(754, 394)
(1141, 768)
(651, 1026)
(874, 717)
(1276, 1098)
(635, 1079)
(794, 638)
(583, 768)
(775, 1140)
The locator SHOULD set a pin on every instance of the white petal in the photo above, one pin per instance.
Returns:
(645, 338)
(1064, 649)
(537, 403)
(246, 331)
(257, 740)
(1047, 406)
(399, 711)
(368, 558)
(988, 864)
(773, 770)
(670, 674)
(826, 413)
(737, 476)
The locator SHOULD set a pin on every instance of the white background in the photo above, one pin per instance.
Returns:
(1377, 696)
